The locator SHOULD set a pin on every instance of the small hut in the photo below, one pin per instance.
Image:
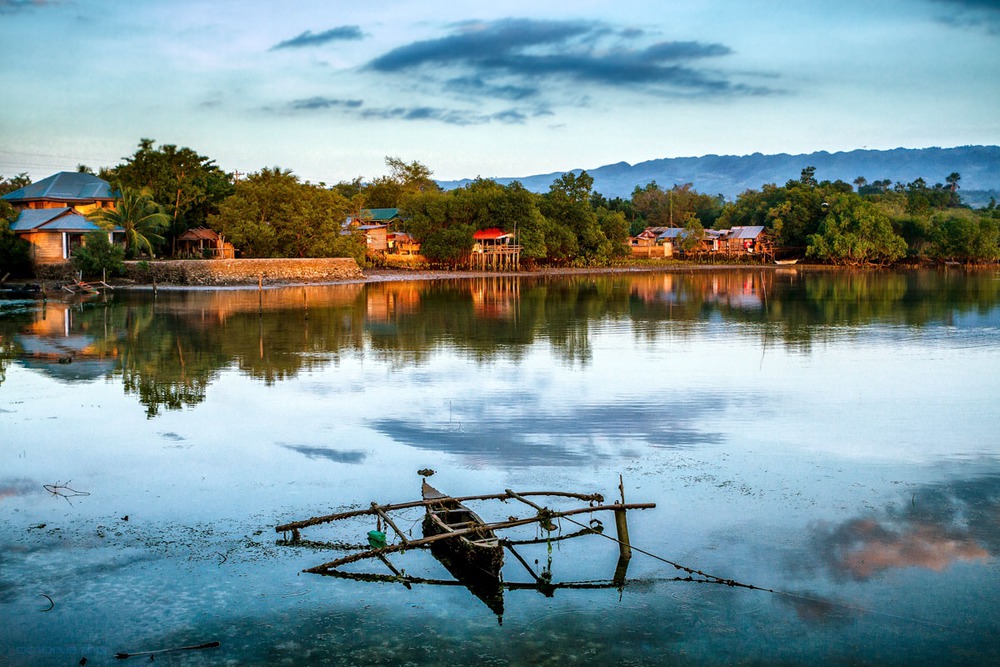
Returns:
(494, 249)
(204, 242)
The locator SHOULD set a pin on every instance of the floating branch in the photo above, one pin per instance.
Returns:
(63, 490)
(122, 656)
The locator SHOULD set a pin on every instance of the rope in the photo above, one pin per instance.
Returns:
(708, 578)
(713, 579)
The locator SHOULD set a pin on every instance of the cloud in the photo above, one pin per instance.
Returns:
(524, 434)
(459, 117)
(974, 14)
(15, 6)
(507, 58)
(335, 455)
(18, 487)
(866, 547)
(477, 86)
(308, 38)
(312, 103)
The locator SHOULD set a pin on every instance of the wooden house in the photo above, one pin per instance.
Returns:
(402, 243)
(742, 240)
(495, 249)
(53, 214)
(204, 242)
(647, 244)
(375, 224)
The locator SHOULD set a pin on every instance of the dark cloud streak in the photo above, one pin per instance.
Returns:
(308, 38)
(504, 59)
(313, 103)
(972, 14)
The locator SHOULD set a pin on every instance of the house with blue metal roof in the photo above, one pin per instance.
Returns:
(53, 214)
(67, 188)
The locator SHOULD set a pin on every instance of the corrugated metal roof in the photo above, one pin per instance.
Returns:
(382, 214)
(492, 233)
(671, 233)
(53, 220)
(751, 232)
(64, 186)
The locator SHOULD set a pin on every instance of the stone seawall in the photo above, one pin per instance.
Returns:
(242, 271)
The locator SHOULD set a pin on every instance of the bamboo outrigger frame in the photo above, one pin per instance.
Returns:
(543, 515)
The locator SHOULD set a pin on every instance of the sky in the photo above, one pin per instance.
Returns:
(329, 89)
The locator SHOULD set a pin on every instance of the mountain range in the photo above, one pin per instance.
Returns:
(729, 175)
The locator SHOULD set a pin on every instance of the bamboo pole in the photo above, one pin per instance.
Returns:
(465, 531)
(621, 525)
(385, 517)
(316, 520)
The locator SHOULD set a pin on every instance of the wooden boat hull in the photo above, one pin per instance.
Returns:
(479, 554)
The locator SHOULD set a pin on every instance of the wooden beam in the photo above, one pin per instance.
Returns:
(385, 517)
(316, 520)
(372, 553)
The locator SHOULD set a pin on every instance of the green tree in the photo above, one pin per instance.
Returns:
(272, 214)
(14, 183)
(855, 232)
(690, 239)
(15, 252)
(573, 228)
(97, 255)
(190, 186)
(964, 236)
(139, 216)
(404, 179)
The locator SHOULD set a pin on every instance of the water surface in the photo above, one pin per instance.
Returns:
(830, 437)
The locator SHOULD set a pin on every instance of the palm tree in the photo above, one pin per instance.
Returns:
(138, 215)
(952, 180)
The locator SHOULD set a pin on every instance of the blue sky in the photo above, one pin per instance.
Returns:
(328, 89)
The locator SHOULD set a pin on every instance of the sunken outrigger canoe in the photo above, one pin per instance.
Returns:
(458, 536)
(479, 554)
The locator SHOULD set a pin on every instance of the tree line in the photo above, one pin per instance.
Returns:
(165, 190)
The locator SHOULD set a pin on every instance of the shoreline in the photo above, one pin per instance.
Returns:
(375, 276)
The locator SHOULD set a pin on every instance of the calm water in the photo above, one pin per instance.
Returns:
(831, 437)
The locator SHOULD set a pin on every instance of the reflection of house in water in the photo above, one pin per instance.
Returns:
(210, 307)
(495, 297)
(743, 290)
(55, 345)
(387, 301)
(655, 288)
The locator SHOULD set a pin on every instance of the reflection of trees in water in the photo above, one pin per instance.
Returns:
(168, 350)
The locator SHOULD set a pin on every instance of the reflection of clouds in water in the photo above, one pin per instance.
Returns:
(335, 455)
(864, 547)
(814, 609)
(941, 525)
(18, 487)
(517, 431)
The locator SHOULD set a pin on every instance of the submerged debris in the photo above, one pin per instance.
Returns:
(122, 656)
(63, 490)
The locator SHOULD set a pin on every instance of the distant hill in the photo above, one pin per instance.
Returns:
(729, 175)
